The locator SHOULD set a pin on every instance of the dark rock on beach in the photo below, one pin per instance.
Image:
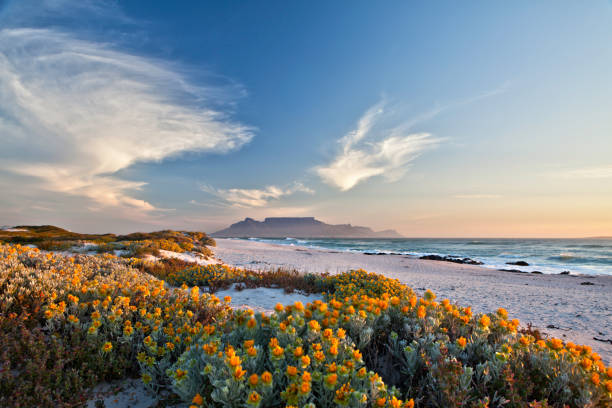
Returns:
(468, 261)
(512, 270)
(518, 263)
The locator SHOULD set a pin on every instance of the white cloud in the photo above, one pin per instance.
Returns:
(477, 196)
(73, 113)
(601, 172)
(367, 152)
(247, 198)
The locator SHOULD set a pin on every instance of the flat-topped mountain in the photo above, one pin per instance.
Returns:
(299, 227)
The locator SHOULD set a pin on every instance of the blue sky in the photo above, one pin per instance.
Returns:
(434, 118)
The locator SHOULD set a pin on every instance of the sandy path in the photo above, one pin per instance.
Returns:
(581, 312)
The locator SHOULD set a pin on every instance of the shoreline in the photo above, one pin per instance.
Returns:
(575, 308)
(561, 262)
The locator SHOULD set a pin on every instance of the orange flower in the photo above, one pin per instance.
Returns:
(292, 371)
(253, 380)
(461, 341)
(421, 312)
(555, 344)
(331, 379)
(254, 398)
(314, 325)
(239, 373)
(266, 377)
(198, 400)
(484, 321)
(304, 388)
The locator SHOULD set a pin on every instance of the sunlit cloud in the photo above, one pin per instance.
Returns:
(248, 198)
(368, 151)
(74, 112)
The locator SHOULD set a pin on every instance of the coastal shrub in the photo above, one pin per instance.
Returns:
(417, 351)
(139, 244)
(216, 276)
(69, 322)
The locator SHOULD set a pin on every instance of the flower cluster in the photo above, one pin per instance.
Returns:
(86, 316)
(77, 320)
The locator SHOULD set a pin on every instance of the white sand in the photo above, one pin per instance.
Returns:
(581, 312)
(188, 257)
(130, 393)
(264, 299)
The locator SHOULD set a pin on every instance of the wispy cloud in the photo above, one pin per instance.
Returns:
(367, 152)
(601, 172)
(248, 198)
(477, 196)
(74, 112)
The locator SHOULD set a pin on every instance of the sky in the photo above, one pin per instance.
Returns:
(436, 119)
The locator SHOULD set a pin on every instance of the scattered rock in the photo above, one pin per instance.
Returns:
(468, 261)
(587, 283)
(518, 263)
(512, 270)
(537, 272)
(564, 273)
(603, 340)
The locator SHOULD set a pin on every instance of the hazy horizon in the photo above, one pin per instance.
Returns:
(438, 120)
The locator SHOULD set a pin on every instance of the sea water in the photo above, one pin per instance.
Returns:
(578, 256)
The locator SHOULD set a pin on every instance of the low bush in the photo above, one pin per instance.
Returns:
(68, 323)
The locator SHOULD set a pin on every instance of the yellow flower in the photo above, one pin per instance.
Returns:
(108, 346)
(314, 325)
(254, 398)
(501, 312)
(485, 321)
(180, 374)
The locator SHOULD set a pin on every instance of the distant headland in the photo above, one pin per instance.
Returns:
(299, 227)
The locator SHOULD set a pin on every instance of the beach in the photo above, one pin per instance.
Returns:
(576, 308)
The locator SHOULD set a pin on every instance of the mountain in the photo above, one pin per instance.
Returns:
(299, 227)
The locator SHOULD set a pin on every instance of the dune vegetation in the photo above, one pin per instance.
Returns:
(70, 322)
(134, 245)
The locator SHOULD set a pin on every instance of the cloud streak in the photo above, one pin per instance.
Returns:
(73, 113)
(249, 198)
(368, 151)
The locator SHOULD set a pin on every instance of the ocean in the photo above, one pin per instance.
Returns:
(552, 256)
